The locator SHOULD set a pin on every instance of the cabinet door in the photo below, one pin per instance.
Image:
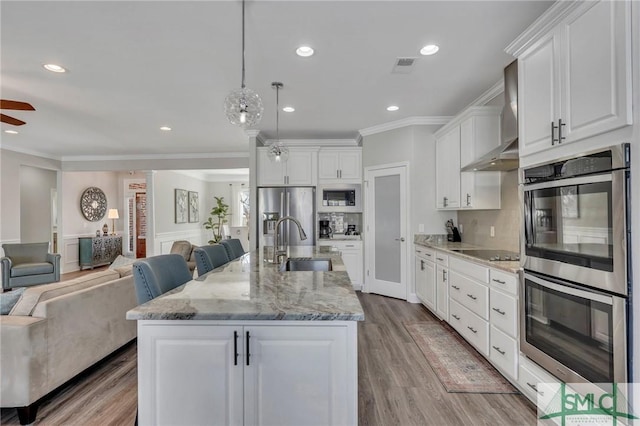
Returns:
(442, 292)
(197, 358)
(597, 68)
(538, 95)
(352, 259)
(328, 165)
(269, 172)
(350, 165)
(425, 282)
(298, 375)
(448, 170)
(299, 168)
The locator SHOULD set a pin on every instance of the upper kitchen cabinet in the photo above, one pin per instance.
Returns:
(448, 169)
(468, 136)
(340, 165)
(298, 170)
(574, 78)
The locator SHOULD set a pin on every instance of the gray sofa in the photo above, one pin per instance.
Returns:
(56, 331)
(29, 264)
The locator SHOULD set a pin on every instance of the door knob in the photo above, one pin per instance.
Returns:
(400, 239)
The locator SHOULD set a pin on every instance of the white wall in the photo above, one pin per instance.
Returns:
(10, 163)
(35, 203)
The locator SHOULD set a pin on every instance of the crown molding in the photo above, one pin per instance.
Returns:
(71, 158)
(541, 26)
(30, 152)
(313, 143)
(491, 93)
(252, 133)
(409, 121)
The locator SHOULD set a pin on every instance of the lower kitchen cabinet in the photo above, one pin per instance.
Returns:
(425, 277)
(442, 292)
(351, 254)
(214, 373)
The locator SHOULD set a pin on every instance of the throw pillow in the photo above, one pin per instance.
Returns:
(10, 298)
(121, 261)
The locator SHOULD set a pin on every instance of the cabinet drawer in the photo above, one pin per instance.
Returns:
(426, 253)
(535, 383)
(504, 312)
(473, 328)
(346, 245)
(470, 294)
(504, 281)
(442, 259)
(470, 269)
(504, 352)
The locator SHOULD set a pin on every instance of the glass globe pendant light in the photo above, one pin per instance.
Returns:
(243, 107)
(277, 152)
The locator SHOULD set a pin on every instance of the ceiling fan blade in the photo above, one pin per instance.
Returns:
(8, 104)
(11, 120)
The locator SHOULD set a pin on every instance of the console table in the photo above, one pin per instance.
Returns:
(96, 251)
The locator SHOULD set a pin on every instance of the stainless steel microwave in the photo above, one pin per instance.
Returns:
(346, 198)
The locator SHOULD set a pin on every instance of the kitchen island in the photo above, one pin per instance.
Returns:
(248, 344)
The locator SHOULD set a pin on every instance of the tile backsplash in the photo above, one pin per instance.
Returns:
(477, 224)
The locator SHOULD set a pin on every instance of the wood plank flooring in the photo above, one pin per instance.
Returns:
(396, 384)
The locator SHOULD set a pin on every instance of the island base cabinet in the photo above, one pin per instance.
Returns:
(258, 374)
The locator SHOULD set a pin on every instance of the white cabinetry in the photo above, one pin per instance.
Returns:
(425, 277)
(442, 286)
(467, 137)
(574, 82)
(352, 256)
(298, 170)
(340, 165)
(448, 169)
(201, 372)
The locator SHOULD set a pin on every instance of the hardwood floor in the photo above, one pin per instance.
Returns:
(396, 384)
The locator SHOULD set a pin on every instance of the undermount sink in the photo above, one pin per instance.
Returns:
(306, 264)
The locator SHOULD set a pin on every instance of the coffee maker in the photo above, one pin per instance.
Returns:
(325, 229)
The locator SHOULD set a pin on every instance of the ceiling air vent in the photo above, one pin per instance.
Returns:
(403, 65)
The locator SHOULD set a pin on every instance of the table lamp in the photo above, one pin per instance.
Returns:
(113, 215)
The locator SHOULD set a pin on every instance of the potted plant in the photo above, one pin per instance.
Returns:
(217, 218)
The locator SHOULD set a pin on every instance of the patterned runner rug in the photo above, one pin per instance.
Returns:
(458, 366)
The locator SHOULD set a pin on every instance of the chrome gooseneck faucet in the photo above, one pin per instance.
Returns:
(303, 236)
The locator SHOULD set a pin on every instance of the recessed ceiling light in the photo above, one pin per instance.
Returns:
(304, 51)
(429, 49)
(165, 128)
(11, 132)
(54, 68)
(393, 108)
(288, 109)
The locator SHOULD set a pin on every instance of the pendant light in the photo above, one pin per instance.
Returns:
(243, 107)
(278, 152)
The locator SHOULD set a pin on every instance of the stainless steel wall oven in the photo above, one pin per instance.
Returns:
(576, 255)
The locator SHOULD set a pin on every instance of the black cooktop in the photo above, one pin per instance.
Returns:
(491, 255)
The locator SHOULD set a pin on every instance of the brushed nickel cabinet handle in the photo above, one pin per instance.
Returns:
(455, 287)
(473, 330)
(498, 349)
(471, 296)
(498, 311)
(445, 201)
(455, 316)
(498, 281)
(553, 128)
(560, 125)
(535, 388)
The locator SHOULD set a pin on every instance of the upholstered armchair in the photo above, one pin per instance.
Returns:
(29, 264)
(184, 248)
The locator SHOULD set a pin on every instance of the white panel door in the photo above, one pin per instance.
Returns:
(425, 274)
(448, 170)
(538, 95)
(386, 219)
(212, 375)
(297, 376)
(300, 169)
(597, 70)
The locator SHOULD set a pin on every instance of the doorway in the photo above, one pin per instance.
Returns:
(386, 224)
(141, 224)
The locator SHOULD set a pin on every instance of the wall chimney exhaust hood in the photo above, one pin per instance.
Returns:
(504, 157)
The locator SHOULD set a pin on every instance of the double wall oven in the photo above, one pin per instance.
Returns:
(576, 257)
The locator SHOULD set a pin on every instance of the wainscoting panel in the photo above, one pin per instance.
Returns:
(164, 241)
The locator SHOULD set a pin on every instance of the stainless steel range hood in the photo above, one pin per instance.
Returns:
(505, 156)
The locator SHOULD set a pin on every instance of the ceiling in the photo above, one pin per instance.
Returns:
(137, 65)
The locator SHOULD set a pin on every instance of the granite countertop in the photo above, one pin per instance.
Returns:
(512, 266)
(250, 289)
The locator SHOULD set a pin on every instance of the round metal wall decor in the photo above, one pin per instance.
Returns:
(93, 204)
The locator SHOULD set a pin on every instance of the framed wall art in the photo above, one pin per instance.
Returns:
(182, 207)
(194, 207)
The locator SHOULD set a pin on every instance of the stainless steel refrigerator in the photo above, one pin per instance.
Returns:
(275, 203)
